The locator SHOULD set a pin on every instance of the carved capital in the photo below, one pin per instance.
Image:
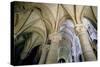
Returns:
(55, 37)
(80, 29)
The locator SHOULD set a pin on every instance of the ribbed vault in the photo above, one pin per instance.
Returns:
(40, 20)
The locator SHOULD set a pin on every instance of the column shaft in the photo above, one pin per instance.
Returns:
(53, 52)
(85, 44)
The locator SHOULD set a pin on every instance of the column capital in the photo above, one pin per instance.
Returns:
(80, 29)
(55, 37)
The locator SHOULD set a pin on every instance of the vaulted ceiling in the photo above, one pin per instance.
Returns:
(43, 19)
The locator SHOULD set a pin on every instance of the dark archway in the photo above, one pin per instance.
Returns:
(80, 58)
(61, 60)
(31, 58)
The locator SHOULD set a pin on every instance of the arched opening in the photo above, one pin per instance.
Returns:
(68, 34)
(90, 29)
(80, 58)
(73, 59)
(61, 60)
(93, 23)
(19, 43)
(33, 57)
(66, 30)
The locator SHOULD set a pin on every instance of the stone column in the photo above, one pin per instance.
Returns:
(85, 44)
(45, 49)
(53, 52)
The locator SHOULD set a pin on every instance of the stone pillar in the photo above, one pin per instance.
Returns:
(45, 49)
(53, 52)
(85, 44)
(63, 54)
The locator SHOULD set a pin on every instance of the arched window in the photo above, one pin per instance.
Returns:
(67, 31)
(90, 29)
(80, 58)
(61, 60)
